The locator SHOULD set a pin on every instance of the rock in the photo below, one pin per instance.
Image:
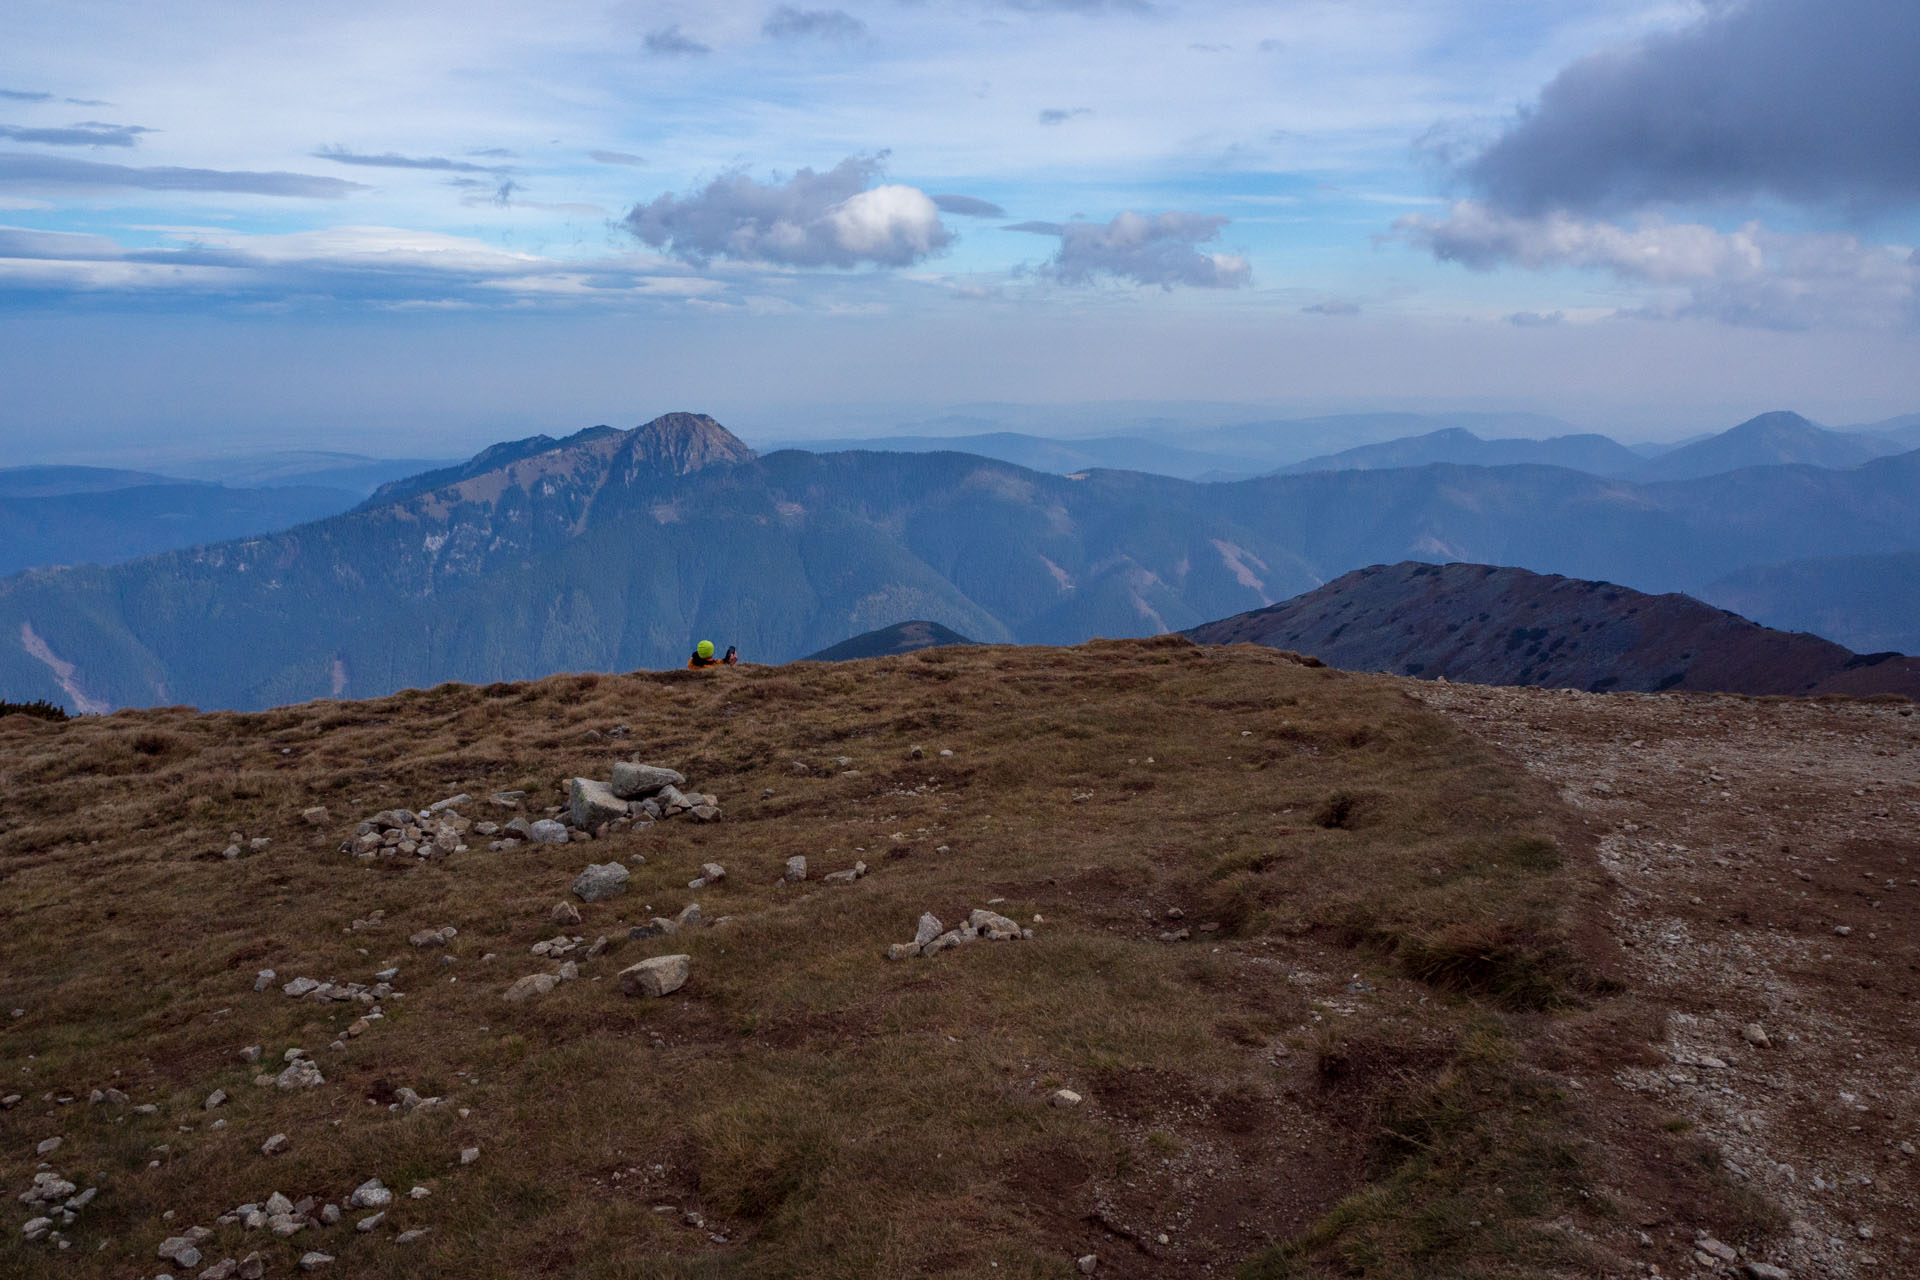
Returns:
(315, 1260)
(37, 1228)
(600, 880)
(273, 1146)
(534, 984)
(796, 870)
(996, 927)
(314, 817)
(1756, 1035)
(49, 1145)
(451, 802)
(660, 976)
(598, 948)
(658, 927)
(689, 915)
(408, 1237)
(469, 1155)
(250, 1054)
(800, 767)
(704, 813)
(221, 1270)
(1766, 1271)
(301, 986)
(546, 831)
(180, 1250)
(1087, 1263)
(638, 781)
(371, 1194)
(419, 1193)
(673, 802)
(566, 914)
(569, 971)
(253, 1266)
(218, 1098)
(302, 1073)
(903, 950)
(930, 928)
(591, 803)
(712, 871)
(507, 799)
(1065, 1098)
(369, 1222)
(434, 937)
(848, 876)
(1724, 1252)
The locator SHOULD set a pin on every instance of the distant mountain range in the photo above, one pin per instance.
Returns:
(901, 637)
(92, 515)
(1869, 603)
(613, 549)
(1490, 625)
(1599, 455)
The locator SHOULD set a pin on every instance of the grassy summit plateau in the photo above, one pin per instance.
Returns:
(1311, 957)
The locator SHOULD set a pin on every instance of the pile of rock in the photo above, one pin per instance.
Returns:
(539, 984)
(55, 1203)
(932, 937)
(320, 992)
(433, 832)
(239, 846)
(661, 927)
(638, 793)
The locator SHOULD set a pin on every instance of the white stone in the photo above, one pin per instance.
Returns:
(660, 976)
(1065, 1098)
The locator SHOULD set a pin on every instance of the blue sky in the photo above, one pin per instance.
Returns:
(414, 228)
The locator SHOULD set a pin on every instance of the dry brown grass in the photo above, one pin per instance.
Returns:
(1390, 903)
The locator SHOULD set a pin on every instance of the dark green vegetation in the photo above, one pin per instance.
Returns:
(39, 708)
(1489, 625)
(1348, 1066)
(616, 551)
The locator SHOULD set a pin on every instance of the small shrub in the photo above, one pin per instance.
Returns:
(39, 709)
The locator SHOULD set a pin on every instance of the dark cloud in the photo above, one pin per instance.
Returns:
(1810, 101)
(839, 218)
(31, 173)
(392, 160)
(969, 207)
(21, 95)
(672, 42)
(789, 23)
(88, 133)
(615, 157)
(1333, 307)
(494, 153)
(1157, 250)
(1060, 115)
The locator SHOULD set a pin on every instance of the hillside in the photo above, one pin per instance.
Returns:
(902, 637)
(1596, 454)
(1505, 626)
(1772, 439)
(1320, 972)
(615, 550)
(54, 482)
(1869, 603)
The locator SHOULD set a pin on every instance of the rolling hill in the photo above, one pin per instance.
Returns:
(1599, 455)
(1869, 603)
(902, 637)
(1489, 625)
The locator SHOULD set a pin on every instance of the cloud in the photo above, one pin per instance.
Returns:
(1158, 250)
(789, 23)
(832, 219)
(1536, 319)
(392, 160)
(21, 95)
(32, 173)
(1749, 276)
(1079, 6)
(494, 153)
(671, 42)
(615, 157)
(1333, 307)
(1809, 101)
(88, 133)
(1060, 115)
(968, 206)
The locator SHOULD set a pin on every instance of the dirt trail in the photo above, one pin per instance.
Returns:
(1766, 861)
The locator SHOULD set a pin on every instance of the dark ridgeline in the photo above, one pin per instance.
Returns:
(901, 637)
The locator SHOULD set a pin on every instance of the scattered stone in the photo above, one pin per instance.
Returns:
(712, 872)
(591, 803)
(660, 976)
(408, 1237)
(1756, 1035)
(796, 870)
(369, 1222)
(434, 937)
(314, 817)
(358, 1027)
(658, 927)
(1844, 930)
(600, 880)
(303, 1073)
(1717, 1249)
(250, 1054)
(1087, 1263)
(315, 1260)
(507, 799)
(903, 950)
(848, 876)
(37, 1228)
(994, 927)
(218, 1098)
(253, 1266)
(1767, 1271)
(180, 1250)
(371, 1194)
(273, 1146)
(534, 984)
(302, 986)
(930, 928)
(469, 1155)
(221, 1270)
(598, 948)
(49, 1146)
(1065, 1098)
(419, 1193)
(633, 781)
(566, 914)
(546, 831)
(689, 915)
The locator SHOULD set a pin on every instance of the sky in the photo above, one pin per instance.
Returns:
(413, 228)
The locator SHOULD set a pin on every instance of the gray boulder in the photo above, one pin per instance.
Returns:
(534, 984)
(638, 781)
(592, 803)
(600, 880)
(660, 976)
(546, 831)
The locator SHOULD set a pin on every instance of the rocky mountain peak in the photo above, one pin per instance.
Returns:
(681, 443)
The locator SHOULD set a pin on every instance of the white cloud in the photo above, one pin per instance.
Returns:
(1158, 250)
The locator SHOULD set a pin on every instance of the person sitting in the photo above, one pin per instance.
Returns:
(703, 656)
